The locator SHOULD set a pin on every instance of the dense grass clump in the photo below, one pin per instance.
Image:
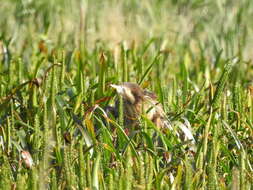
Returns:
(58, 59)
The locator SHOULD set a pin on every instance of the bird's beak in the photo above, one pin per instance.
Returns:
(118, 88)
(125, 92)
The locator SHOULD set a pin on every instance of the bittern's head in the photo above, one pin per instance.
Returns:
(130, 92)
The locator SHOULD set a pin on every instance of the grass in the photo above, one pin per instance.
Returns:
(57, 59)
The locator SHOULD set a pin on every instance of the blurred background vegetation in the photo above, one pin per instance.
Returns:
(213, 25)
(202, 28)
(57, 58)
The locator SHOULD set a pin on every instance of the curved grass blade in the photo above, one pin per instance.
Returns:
(87, 138)
(148, 70)
(95, 180)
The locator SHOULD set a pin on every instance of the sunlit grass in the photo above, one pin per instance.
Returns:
(57, 59)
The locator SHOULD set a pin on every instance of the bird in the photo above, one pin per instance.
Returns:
(137, 102)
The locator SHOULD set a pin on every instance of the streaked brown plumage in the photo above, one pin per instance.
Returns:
(136, 102)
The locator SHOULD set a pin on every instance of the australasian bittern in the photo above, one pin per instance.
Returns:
(137, 102)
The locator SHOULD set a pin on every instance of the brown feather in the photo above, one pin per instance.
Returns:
(145, 102)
